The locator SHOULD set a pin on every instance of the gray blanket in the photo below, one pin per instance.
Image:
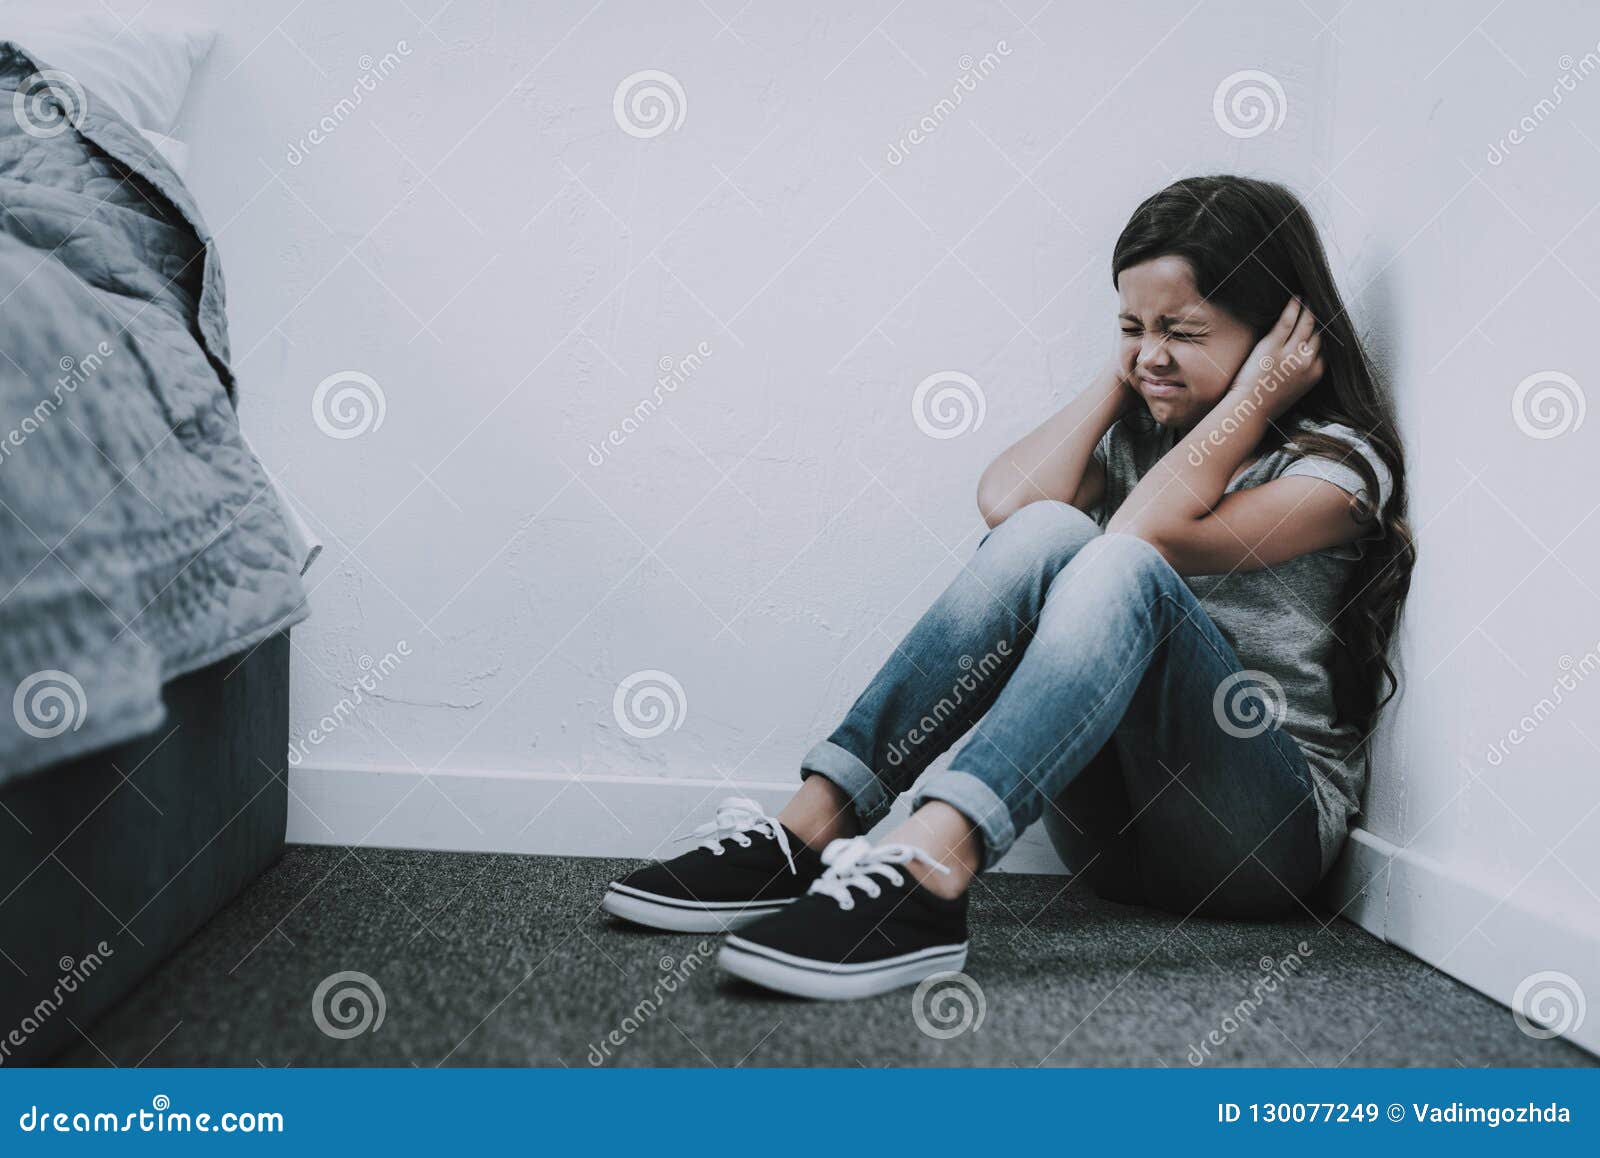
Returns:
(139, 538)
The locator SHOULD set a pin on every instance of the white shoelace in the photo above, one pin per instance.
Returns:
(854, 861)
(736, 817)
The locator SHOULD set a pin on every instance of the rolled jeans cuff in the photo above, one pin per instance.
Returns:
(867, 793)
(978, 803)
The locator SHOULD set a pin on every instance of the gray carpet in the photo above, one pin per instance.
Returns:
(506, 960)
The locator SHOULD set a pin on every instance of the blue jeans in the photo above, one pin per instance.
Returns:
(1091, 671)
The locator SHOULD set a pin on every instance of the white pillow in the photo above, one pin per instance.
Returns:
(142, 70)
(174, 150)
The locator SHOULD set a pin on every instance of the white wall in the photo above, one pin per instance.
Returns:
(483, 239)
(1479, 256)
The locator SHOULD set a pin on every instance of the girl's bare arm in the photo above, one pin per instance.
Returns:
(1055, 460)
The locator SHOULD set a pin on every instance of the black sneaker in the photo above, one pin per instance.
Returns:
(762, 868)
(864, 927)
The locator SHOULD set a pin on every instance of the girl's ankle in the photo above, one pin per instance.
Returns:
(817, 832)
(947, 885)
(820, 812)
(944, 833)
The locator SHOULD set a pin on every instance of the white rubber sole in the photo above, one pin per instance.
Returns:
(679, 916)
(828, 981)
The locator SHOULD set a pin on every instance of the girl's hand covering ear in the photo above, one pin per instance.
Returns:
(1113, 378)
(1131, 398)
(1285, 364)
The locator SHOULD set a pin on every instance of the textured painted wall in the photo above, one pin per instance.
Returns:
(482, 235)
(1467, 167)
(513, 269)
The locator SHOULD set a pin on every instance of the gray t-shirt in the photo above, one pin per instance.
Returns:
(1277, 619)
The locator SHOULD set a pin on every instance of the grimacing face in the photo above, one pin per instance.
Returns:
(1179, 352)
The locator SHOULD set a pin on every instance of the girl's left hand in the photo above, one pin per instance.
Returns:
(1285, 364)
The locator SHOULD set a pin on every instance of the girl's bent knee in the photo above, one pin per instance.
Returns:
(1048, 528)
(1129, 551)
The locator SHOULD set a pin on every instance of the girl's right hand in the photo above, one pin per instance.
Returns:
(1117, 380)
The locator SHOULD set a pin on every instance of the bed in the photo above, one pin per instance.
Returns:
(150, 572)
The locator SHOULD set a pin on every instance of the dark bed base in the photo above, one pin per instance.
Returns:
(111, 861)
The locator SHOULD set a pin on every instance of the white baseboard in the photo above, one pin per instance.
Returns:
(548, 813)
(1467, 928)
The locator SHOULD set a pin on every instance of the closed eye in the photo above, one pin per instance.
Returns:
(1133, 331)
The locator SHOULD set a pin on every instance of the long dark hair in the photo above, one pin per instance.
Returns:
(1251, 245)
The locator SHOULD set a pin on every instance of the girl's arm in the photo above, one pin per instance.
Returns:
(1055, 461)
(1178, 506)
